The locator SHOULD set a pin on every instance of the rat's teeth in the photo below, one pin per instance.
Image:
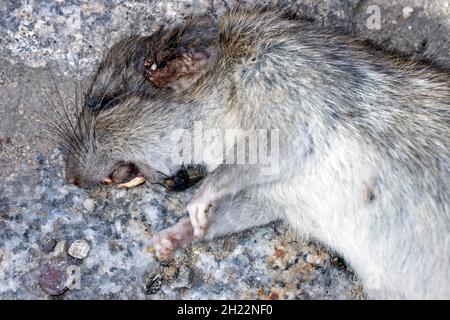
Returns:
(108, 181)
(132, 183)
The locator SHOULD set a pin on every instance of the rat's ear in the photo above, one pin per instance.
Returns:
(180, 72)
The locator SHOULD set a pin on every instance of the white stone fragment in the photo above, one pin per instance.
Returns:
(60, 248)
(79, 249)
(89, 204)
(407, 12)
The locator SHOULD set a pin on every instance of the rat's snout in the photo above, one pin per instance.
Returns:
(80, 180)
(122, 173)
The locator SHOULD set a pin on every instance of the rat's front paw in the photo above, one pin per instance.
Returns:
(198, 209)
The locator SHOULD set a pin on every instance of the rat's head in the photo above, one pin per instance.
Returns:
(129, 107)
(134, 138)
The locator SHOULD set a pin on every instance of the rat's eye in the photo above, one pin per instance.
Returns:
(93, 103)
(98, 103)
(162, 64)
(101, 103)
(112, 102)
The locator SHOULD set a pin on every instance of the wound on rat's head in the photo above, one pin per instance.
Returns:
(179, 72)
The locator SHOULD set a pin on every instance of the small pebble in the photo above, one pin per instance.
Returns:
(89, 204)
(79, 249)
(5, 140)
(407, 12)
(54, 279)
(60, 248)
(103, 194)
(48, 245)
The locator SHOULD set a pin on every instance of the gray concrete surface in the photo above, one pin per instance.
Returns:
(40, 215)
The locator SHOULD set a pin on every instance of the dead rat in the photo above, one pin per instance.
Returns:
(353, 146)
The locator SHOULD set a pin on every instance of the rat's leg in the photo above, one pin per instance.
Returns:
(231, 216)
(223, 181)
(236, 214)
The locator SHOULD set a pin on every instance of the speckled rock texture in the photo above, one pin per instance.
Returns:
(41, 216)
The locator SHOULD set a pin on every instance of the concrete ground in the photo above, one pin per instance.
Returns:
(41, 216)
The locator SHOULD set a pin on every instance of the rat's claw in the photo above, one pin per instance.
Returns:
(132, 183)
(198, 212)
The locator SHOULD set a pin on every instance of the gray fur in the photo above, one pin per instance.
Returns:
(364, 146)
